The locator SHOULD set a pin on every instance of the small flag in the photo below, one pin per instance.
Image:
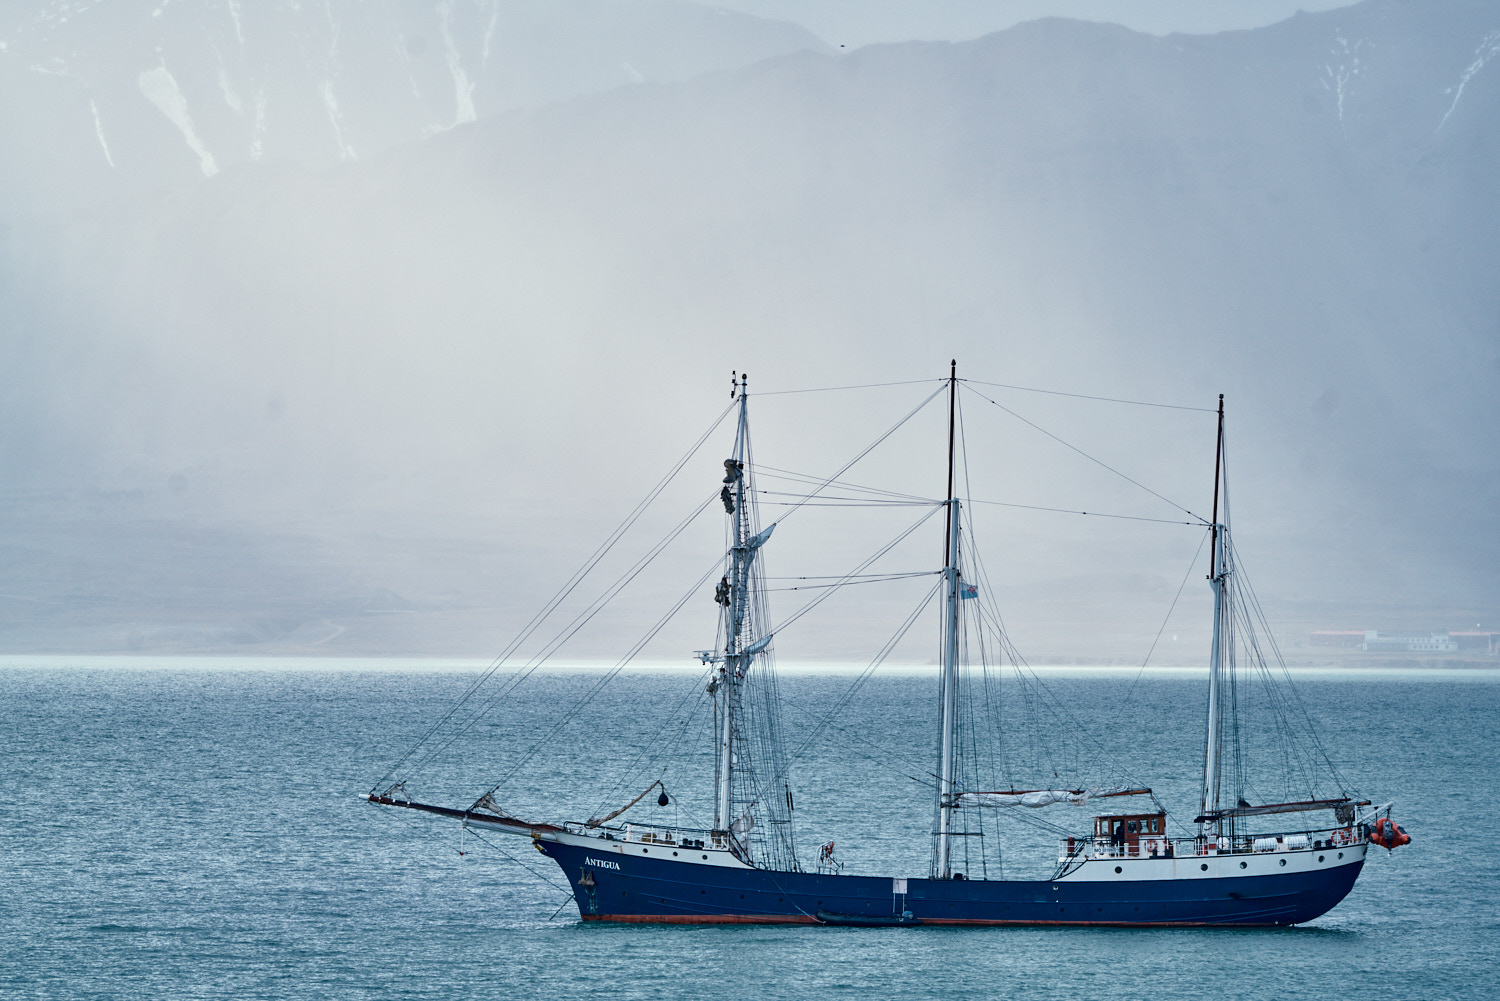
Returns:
(968, 591)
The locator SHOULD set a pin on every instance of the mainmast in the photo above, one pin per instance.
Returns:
(1218, 571)
(948, 742)
(730, 668)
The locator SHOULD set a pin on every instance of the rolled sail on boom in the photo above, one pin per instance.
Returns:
(1041, 797)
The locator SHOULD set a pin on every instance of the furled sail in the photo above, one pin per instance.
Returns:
(1042, 797)
(761, 538)
(757, 646)
(1036, 798)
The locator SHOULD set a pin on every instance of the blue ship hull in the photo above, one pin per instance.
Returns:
(636, 889)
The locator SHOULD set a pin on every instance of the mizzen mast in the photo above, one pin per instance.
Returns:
(1218, 572)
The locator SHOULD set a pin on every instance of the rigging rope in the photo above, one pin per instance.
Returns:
(654, 739)
(867, 449)
(880, 658)
(579, 621)
(1125, 702)
(867, 579)
(529, 868)
(609, 676)
(1084, 396)
(1091, 514)
(835, 389)
(1098, 462)
(814, 603)
(787, 474)
(561, 595)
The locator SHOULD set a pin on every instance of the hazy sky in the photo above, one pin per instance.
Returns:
(861, 22)
(359, 344)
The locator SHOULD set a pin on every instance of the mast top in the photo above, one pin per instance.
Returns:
(950, 556)
(1213, 552)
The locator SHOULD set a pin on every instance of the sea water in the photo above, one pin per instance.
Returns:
(182, 830)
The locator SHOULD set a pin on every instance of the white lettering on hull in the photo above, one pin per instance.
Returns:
(600, 863)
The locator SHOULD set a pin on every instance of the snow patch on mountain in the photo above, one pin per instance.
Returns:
(1488, 47)
(489, 31)
(231, 96)
(99, 131)
(258, 143)
(331, 106)
(53, 67)
(1349, 67)
(239, 27)
(160, 88)
(463, 87)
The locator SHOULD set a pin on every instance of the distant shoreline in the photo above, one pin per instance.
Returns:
(1409, 667)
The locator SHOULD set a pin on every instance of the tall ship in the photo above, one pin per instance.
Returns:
(1233, 863)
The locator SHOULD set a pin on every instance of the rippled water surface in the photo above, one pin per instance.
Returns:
(193, 831)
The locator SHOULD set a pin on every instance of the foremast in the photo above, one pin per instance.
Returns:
(948, 689)
(752, 790)
(1218, 660)
(734, 595)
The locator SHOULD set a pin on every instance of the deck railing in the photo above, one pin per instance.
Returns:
(651, 834)
(1147, 846)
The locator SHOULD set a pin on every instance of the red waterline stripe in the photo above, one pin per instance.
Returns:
(798, 919)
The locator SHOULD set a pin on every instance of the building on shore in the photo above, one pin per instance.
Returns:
(1375, 641)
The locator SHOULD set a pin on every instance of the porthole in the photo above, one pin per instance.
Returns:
(1283, 861)
(1243, 864)
(705, 858)
(674, 853)
(1118, 869)
(1320, 858)
(1341, 854)
(1204, 867)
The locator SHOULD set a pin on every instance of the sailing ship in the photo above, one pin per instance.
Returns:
(1126, 869)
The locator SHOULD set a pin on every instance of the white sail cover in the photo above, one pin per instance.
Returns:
(758, 646)
(760, 540)
(1041, 797)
